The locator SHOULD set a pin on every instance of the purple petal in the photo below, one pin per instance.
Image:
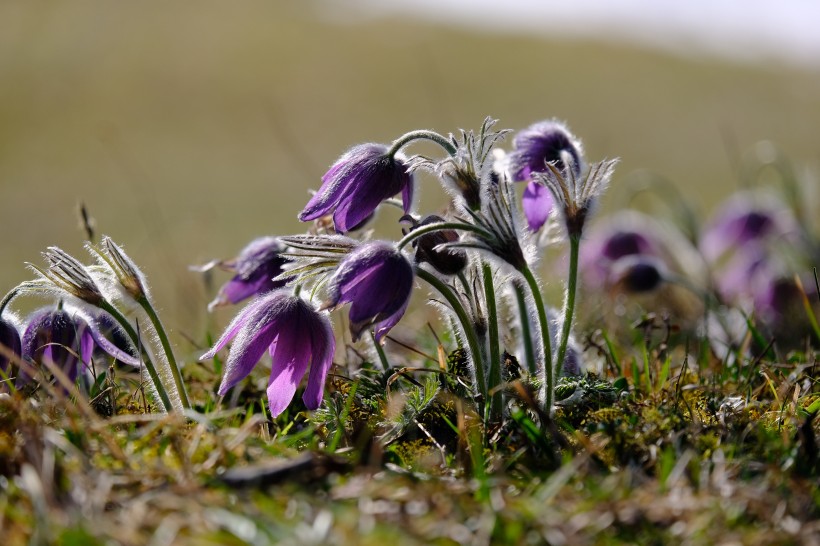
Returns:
(323, 345)
(290, 358)
(537, 204)
(383, 293)
(384, 326)
(360, 202)
(245, 353)
(407, 196)
(86, 346)
(102, 342)
(238, 289)
(233, 328)
(10, 340)
(334, 187)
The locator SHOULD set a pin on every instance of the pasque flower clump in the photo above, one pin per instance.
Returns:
(476, 256)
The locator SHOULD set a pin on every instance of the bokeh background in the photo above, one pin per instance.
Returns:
(188, 128)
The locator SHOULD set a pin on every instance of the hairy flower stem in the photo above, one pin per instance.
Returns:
(380, 351)
(149, 364)
(569, 303)
(8, 297)
(466, 325)
(546, 343)
(407, 138)
(494, 381)
(169, 353)
(439, 226)
(526, 336)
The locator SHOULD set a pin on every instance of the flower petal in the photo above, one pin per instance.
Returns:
(290, 357)
(245, 353)
(382, 327)
(323, 346)
(233, 328)
(334, 187)
(357, 205)
(102, 342)
(537, 204)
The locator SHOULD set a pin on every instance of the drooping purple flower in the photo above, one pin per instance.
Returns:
(743, 220)
(606, 246)
(625, 243)
(67, 340)
(10, 345)
(534, 147)
(377, 280)
(357, 183)
(255, 267)
(295, 335)
(541, 143)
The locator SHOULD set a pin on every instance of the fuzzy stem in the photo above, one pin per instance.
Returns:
(438, 226)
(407, 138)
(149, 364)
(466, 325)
(495, 354)
(169, 353)
(8, 297)
(380, 351)
(546, 343)
(526, 336)
(569, 303)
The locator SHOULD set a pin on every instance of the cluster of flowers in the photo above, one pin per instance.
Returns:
(478, 240)
(477, 257)
(748, 263)
(95, 319)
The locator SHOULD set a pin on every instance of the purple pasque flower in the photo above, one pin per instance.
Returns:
(357, 183)
(9, 348)
(745, 219)
(256, 267)
(623, 236)
(376, 279)
(66, 338)
(294, 333)
(533, 148)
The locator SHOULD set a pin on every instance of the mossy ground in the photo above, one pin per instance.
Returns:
(680, 453)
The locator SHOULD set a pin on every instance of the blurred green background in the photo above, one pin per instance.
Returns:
(188, 128)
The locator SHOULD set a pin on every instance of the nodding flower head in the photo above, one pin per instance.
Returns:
(546, 142)
(542, 143)
(9, 348)
(256, 267)
(609, 243)
(741, 221)
(625, 243)
(357, 183)
(67, 339)
(376, 279)
(296, 336)
(447, 261)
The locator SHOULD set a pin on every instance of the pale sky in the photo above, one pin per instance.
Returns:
(746, 30)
